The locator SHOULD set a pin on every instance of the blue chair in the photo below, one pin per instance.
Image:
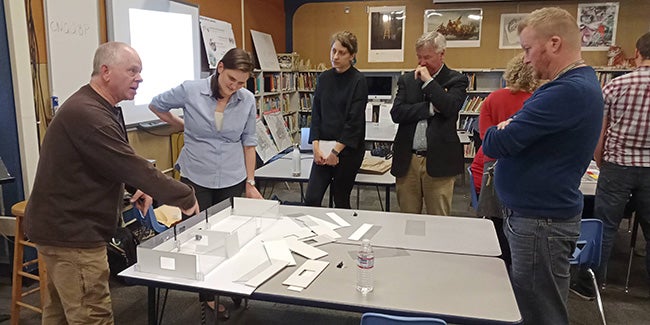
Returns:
(587, 253)
(471, 189)
(149, 220)
(382, 319)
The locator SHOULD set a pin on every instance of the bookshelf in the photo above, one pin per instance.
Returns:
(481, 83)
(306, 83)
(605, 74)
(276, 91)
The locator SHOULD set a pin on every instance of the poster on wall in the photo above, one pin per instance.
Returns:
(461, 27)
(218, 38)
(597, 23)
(508, 34)
(386, 34)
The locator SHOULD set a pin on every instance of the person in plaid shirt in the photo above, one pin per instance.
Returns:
(623, 153)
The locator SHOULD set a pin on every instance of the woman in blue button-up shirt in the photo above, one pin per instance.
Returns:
(218, 158)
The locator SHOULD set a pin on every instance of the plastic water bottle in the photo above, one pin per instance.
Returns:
(295, 157)
(365, 266)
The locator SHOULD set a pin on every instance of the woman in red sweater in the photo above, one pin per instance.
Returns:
(503, 103)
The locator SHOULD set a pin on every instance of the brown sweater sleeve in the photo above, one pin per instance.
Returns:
(115, 159)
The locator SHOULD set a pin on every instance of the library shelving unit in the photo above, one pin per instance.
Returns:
(306, 84)
(481, 83)
(606, 74)
(277, 91)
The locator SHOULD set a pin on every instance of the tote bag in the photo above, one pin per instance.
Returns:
(489, 204)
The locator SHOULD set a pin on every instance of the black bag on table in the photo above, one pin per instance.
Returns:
(489, 204)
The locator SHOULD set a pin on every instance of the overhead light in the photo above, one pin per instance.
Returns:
(474, 17)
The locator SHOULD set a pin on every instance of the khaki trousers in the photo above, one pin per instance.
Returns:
(417, 187)
(77, 284)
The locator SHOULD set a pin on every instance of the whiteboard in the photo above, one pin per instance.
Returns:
(159, 42)
(265, 50)
(72, 32)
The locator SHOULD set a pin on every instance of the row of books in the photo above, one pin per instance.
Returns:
(274, 82)
(472, 105)
(605, 77)
(469, 150)
(304, 120)
(489, 81)
(466, 123)
(281, 103)
(305, 101)
(307, 80)
(291, 121)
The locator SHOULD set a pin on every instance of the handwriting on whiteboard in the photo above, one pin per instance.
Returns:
(69, 27)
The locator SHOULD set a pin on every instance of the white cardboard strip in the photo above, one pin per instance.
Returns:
(296, 289)
(305, 250)
(322, 222)
(360, 231)
(275, 267)
(320, 227)
(279, 250)
(306, 273)
(338, 219)
(318, 240)
(323, 230)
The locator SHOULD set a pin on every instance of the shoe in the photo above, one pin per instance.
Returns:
(236, 301)
(207, 313)
(583, 288)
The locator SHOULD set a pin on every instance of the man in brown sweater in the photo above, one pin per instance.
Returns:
(74, 208)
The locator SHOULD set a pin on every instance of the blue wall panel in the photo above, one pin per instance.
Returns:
(9, 150)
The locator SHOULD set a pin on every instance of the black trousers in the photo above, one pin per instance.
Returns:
(208, 197)
(339, 178)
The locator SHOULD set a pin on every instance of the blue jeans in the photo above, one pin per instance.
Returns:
(540, 271)
(615, 184)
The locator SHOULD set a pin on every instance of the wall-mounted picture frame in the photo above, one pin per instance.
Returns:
(461, 27)
(508, 35)
(386, 34)
(597, 23)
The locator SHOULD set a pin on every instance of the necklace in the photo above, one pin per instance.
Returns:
(576, 64)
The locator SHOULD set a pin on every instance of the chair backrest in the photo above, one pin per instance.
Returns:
(149, 220)
(472, 189)
(590, 243)
(383, 319)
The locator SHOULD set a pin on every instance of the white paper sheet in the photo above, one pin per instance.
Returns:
(305, 250)
(340, 221)
(320, 227)
(357, 234)
(268, 273)
(279, 250)
(306, 273)
(326, 146)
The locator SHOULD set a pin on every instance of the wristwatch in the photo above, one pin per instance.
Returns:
(251, 181)
(336, 153)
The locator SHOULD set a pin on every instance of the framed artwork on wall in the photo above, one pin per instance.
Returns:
(508, 36)
(386, 34)
(461, 27)
(597, 23)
